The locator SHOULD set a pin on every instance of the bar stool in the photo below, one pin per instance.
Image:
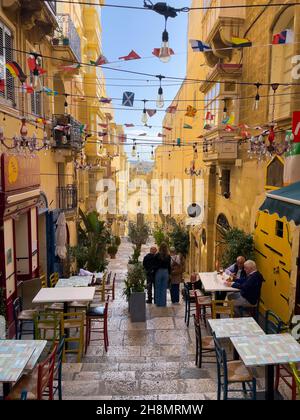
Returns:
(97, 314)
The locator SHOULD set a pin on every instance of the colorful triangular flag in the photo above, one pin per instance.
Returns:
(172, 109)
(240, 42)
(191, 111)
(151, 112)
(284, 37)
(161, 135)
(229, 128)
(71, 67)
(199, 46)
(167, 128)
(187, 126)
(128, 99)
(131, 56)
(105, 100)
(142, 134)
(129, 125)
(100, 61)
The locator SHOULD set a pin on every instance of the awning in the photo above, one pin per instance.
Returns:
(285, 202)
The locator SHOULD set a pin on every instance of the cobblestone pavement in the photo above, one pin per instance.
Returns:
(150, 360)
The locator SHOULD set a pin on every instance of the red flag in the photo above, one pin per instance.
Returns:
(168, 128)
(129, 125)
(2, 85)
(156, 52)
(100, 60)
(122, 138)
(131, 56)
(229, 128)
(172, 109)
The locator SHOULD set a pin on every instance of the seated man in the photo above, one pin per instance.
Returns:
(249, 289)
(236, 270)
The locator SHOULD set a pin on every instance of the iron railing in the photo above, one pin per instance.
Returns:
(52, 5)
(67, 34)
(67, 197)
(66, 132)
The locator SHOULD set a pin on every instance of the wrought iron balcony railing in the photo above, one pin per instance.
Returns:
(52, 5)
(67, 35)
(67, 197)
(66, 132)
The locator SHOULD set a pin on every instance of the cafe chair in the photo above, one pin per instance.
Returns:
(203, 307)
(190, 305)
(23, 318)
(110, 288)
(97, 314)
(36, 382)
(233, 372)
(204, 345)
(222, 307)
(275, 325)
(74, 323)
(295, 368)
(47, 326)
(57, 374)
(54, 279)
(43, 281)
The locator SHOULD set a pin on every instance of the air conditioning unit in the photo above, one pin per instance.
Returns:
(229, 89)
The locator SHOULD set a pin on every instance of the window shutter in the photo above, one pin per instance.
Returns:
(2, 62)
(10, 93)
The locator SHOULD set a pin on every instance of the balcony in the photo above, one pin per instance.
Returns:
(66, 132)
(67, 197)
(219, 25)
(66, 41)
(37, 16)
(218, 150)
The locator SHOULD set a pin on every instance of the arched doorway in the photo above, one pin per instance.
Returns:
(222, 226)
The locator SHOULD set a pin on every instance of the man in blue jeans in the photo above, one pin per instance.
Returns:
(149, 266)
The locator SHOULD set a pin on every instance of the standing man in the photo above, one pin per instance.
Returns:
(149, 266)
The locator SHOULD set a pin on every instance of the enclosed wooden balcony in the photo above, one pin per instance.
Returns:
(221, 148)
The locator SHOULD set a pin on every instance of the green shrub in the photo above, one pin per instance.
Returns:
(180, 239)
(237, 242)
(135, 280)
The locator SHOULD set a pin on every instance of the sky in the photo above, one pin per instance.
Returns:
(125, 30)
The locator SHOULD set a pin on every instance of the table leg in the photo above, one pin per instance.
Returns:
(269, 382)
(6, 389)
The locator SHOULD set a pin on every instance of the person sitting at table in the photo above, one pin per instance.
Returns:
(249, 290)
(236, 271)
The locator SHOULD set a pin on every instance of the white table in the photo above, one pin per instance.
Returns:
(18, 357)
(235, 327)
(212, 284)
(75, 281)
(65, 295)
(267, 350)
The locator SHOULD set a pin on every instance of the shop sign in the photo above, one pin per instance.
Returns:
(296, 126)
(19, 172)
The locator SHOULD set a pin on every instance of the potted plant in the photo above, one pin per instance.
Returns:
(112, 251)
(135, 293)
(134, 259)
(117, 240)
(55, 41)
(65, 41)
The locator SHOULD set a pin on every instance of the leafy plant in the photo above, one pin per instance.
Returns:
(135, 280)
(237, 242)
(134, 259)
(180, 239)
(138, 234)
(160, 236)
(117, 240)
(112, 249)
(93, 238)
(2, 303)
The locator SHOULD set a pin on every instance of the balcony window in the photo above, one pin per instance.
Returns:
(212, 103)
(67, 35)
(36, 100)
(225, 182)
(281, 67)
(6, 56)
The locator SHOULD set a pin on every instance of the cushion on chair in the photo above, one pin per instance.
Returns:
(208, 343)
(96, 311)
(237, 372)
(28, 382)
(27, 314)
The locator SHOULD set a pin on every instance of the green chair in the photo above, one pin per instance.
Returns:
(47, 326)
(296, 373)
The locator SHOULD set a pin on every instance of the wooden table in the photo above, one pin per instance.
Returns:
(18, 357)
(267, 350)
(65, 295)
(213, 283)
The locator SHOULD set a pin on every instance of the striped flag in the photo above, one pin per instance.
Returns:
(16, 71)
(128, 99)
(284, 37)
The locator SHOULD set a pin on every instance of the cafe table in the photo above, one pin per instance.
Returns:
(267, 350)
(74, 281)
(18, 357)
(215, 283)
(64, 295)
(235, 327)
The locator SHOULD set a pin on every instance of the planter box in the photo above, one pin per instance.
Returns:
(137, 307)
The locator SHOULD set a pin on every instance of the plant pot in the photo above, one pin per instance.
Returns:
(137, 306)
(66, 41)
(55, 41)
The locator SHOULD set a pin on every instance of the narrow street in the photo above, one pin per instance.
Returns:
(151, 360)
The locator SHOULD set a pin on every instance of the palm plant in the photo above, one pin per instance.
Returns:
(93, 238)
(138, 234)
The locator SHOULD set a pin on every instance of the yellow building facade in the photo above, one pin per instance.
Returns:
(236, 180)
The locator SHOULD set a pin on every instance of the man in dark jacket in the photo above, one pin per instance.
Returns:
(149, 266)
(249, 289)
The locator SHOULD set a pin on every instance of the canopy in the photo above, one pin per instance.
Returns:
(61, 237)
(285, 202)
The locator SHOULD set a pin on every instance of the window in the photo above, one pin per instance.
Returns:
(225, 183)
(279, 228)
(211, 103)
(36, 100)
(275, 171)
(6, 56)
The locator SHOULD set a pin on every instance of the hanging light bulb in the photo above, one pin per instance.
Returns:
(144, 118)
(133, 152)
(152, 154)
(160, 98)
(165, 52)
(66, 104)
(257, 97)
